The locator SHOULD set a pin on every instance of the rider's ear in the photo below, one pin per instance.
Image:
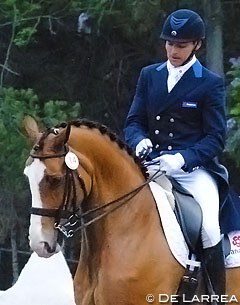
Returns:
(199, 44)
(31, 128)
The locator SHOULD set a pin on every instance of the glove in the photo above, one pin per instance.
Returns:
(144, 148)
(171, 163)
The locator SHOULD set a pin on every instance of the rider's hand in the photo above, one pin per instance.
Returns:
(144, 148)
(171, 163)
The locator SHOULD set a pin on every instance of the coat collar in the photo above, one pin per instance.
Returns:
(197, 68)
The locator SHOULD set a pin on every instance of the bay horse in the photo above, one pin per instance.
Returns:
(83, 172)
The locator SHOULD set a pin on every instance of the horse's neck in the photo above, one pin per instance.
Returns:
(112, 184)
(122, 233)
(114, 174)
(113, 171)
(131, 214)
(127, 229)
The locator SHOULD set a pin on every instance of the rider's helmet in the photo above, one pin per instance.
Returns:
(183, 26)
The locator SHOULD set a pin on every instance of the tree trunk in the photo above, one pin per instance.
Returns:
(214, 42)
(15, 267)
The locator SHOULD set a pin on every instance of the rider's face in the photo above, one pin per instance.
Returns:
(178, 52)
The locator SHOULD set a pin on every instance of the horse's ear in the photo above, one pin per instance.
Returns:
(62, 135)
(31, 128)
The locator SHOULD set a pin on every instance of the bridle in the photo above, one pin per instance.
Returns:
(70, 209)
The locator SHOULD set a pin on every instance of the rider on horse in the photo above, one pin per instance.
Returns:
(178, 118)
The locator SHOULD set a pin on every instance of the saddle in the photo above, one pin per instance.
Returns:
(189, 215)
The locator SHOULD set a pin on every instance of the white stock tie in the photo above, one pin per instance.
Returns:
(173, 78)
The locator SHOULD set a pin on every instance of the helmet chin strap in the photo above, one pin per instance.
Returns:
(191, 54)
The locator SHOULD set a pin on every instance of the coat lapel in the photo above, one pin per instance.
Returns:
(161, 80)
(159, 90)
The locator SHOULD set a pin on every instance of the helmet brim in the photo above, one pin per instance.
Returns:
(180, 40)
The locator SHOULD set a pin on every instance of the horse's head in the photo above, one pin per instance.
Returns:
(81, 172)
(53, 173)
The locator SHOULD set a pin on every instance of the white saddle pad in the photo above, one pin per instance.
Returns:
(174, 235)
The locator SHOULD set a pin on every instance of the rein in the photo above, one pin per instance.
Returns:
(72, 225)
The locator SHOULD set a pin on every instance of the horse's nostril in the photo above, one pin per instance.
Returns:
(48, 248)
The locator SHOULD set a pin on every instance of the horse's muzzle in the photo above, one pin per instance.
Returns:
(49, 248)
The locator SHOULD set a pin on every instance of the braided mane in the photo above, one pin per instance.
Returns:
(104, 130)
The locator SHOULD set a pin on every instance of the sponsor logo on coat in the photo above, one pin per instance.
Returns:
(189, 104)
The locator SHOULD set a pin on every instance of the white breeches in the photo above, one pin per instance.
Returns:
(204, 189)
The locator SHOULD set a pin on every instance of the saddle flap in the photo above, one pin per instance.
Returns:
(189, 215)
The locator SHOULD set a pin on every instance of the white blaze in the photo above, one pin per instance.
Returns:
(35, 174)
(39, 237)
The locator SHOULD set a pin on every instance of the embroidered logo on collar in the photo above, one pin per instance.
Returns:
(189, 104)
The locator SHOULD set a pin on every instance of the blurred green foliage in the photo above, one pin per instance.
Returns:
(233, 90)
(14, 147)
(14, 105)
(134, 17)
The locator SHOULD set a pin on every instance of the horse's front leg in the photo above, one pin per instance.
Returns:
(83, 287)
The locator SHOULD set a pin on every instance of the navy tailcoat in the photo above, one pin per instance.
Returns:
(190, 120)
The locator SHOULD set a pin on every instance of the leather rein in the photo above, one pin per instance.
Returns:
(69, 208)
